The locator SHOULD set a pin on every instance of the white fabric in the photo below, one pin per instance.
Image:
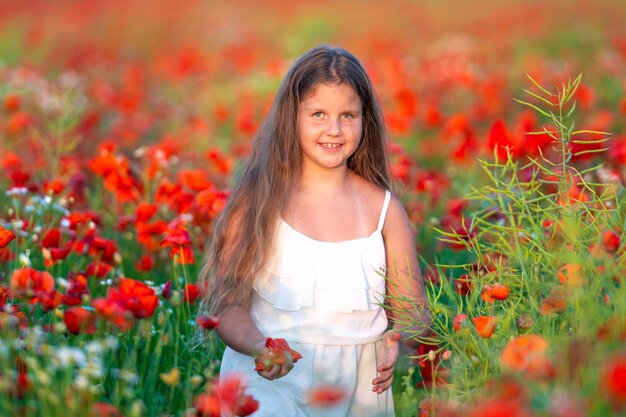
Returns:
(325, 299)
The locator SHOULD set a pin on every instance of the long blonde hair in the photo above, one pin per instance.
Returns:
(275, 164)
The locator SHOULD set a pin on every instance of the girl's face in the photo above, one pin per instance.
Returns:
(330, 122)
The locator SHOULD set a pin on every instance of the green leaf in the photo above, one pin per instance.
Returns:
(548, 102)
(591, 132)
(534, 107)
(569, 113)
(585, 142)
(591, 151)
(539, 86)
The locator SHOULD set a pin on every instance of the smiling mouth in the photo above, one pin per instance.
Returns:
(331, 145)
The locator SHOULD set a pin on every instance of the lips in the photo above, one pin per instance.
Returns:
(330, 145)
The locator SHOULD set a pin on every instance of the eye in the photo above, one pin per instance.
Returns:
(348, 116)
(318, 114)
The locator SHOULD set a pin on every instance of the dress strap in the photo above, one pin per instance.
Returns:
(383, 212)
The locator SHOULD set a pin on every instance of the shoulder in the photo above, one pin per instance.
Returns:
(368, 190)
(397, 227)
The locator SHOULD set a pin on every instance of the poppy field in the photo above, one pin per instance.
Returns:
(123, 124)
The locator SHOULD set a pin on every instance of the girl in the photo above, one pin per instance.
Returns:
(311, 245)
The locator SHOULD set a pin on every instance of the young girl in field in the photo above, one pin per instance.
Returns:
(310, 246)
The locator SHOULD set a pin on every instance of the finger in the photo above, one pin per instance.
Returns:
(392, 337)
(284, 370)
(386, 366)
(271, 373)
(380, 388)
(382, 377)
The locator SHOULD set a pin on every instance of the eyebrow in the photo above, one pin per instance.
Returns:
(316, 109)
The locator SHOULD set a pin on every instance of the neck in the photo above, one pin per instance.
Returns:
(324, 181)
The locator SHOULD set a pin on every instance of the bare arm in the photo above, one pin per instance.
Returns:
(405, 287)
(238, 330)
(407, 299)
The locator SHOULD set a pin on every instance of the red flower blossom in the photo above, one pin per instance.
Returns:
(614, 380)
(101, 409)
(6, 236)
(144, 264)
(167, 290)
(191, 293)
(464, 284)
(610, 241)
(276, 355)
(485, 325)
(12, 102)
(148, 234)
(231, 393)
(207, 405)
(197, 180)
(495, 292)
(144, 212)
(79, 320)
(29, 282)
(555, 302)
(76, 291)
(177, 238)
(527, 354)
(135, 297)
(114, 313)
(458, 321)
(207, 322)
(98, 269)
(570, 274)
(326, 395)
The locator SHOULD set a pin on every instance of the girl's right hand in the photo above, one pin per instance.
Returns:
(277, 370)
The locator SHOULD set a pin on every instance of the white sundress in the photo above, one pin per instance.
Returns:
(325, 299)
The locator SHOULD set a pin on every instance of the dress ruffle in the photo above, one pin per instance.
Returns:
(342, 276)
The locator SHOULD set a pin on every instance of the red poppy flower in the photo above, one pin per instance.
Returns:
(570, 274)
(527, 353)
(555, 302)
(28, 282)
(458, 321)
(231, 393)
(191, 293)
(207, 405)
(48, 300)
(614, 380)
(464, 284)
(54, 187)
(101, 409)
(135, 297)
(52, 255)
(144, 264)
(197, 180)
(495, 292)
(6, 236)
(276, 355)
(611, 241)
(76, 291)
(114, 313)
(207, 322)
(12, 102)
(167, 290)
(144, 212)
(148, 234)
(326, 395)
(485, 325)
(98, 269)
(79, 320)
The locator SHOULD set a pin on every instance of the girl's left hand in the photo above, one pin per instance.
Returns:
(387, 356)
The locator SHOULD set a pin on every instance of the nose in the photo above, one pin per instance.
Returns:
(334, 127)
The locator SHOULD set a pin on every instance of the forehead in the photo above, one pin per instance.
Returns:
(331, 94)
